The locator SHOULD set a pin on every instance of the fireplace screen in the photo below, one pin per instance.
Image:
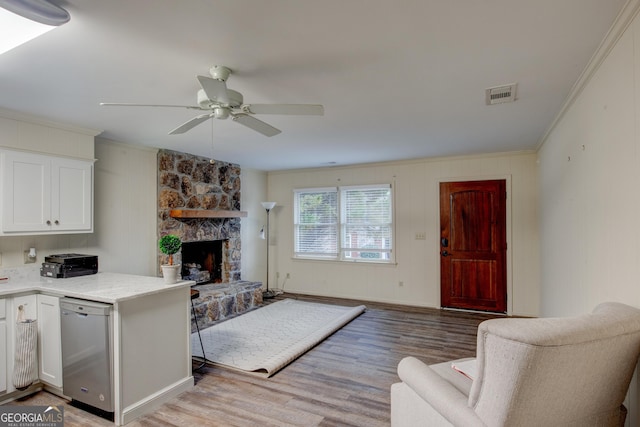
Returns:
(202, 261)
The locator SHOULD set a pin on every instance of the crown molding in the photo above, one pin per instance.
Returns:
(21, 117)
(620, 25)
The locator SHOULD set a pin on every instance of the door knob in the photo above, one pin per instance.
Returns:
(445, 253)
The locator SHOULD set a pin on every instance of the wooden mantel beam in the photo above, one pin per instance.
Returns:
(203, 213)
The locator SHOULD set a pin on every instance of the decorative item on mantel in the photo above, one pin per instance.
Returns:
(268, 206)
(169, 245)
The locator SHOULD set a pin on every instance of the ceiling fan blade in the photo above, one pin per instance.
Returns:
(190, 124)
(285, 109)
(216, 90)
(255, 124)
(126, 104)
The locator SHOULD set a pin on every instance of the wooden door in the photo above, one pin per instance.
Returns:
(473, 245)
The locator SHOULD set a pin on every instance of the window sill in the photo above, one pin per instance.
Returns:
(344, 262)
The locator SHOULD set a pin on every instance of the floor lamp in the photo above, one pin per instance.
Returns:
(268, 206)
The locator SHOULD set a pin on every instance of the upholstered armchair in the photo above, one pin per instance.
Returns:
(530, 372)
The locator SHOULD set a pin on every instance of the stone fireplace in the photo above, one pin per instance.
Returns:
(211, 239)
(191, 182)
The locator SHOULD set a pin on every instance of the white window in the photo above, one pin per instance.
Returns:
(344, 223)
(316, 223)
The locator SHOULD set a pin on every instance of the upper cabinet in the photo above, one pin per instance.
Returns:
(44, 194)
(46, 176)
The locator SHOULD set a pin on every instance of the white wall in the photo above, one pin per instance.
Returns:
(590, 202)
(254, 191)
(416, 186)
(125, 231)
(589, 196)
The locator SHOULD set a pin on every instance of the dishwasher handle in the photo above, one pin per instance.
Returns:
(84, 307)
(68, 313)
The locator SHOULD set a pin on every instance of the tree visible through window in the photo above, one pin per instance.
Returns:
(346, 223)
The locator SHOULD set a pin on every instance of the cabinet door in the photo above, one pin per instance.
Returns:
(3, 348)
(3, 354)
(44, 194)
(49, 340)
(30, 307)
(26, 192)
(71, 195)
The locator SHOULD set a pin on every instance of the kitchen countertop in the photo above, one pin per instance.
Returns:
(109, 288)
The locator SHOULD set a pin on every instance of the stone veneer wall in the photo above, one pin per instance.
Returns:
(186, 181)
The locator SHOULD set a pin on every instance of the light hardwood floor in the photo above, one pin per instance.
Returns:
(343, 381)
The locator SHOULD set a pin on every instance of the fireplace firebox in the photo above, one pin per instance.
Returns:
(203, 261)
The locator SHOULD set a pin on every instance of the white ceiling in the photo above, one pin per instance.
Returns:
(398, 79)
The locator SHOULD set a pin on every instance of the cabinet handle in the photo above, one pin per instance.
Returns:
(56, 222)
(48, 222)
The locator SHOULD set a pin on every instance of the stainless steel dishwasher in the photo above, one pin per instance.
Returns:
(87, 354)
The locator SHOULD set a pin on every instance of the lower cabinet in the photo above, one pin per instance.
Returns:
(30, 311)
(3, 347)
(49, 340)
(46, 310)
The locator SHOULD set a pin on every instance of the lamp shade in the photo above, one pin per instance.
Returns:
(268, 205)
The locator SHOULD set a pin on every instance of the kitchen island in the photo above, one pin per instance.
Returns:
(150, 330)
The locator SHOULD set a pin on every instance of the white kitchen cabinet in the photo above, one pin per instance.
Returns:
(3, 347)
(30, 307)
(49, 340)
(43, 194)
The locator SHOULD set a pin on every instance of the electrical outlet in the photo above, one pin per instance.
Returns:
(28, 259)
(421, 235)
(401, 283)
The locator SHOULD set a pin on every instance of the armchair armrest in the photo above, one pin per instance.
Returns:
(438, 392)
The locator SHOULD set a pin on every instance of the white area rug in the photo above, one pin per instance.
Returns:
(265, 340)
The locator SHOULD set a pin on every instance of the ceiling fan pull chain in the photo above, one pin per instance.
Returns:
(212, 160)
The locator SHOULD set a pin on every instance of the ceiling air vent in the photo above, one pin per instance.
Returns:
(501, 94)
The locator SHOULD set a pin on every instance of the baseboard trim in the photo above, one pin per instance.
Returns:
(154, 401)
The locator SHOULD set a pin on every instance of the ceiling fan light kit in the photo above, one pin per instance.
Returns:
(221, 103)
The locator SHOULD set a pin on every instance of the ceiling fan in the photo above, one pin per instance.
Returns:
(219, 102)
